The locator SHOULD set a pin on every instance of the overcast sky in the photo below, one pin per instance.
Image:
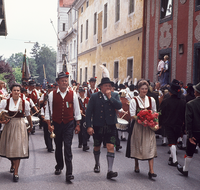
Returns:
(28, 20)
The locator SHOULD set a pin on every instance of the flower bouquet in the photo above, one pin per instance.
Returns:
(148, 118)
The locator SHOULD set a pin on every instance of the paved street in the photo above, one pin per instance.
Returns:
(38, 171)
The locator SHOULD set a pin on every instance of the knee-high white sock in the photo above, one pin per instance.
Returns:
(164, 140)
(187, 163)
(173, 153)
(123, 135)
(184, 140)
(110, 160)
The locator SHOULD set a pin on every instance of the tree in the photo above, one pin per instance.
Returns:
(47, 57)
(16, 60)
(18, 74)
(6, 73)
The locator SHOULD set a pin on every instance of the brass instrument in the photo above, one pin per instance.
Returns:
(52, 135)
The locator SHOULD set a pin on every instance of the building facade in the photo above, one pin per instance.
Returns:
(109, 33)
(172, 27)
(70, 40)
(62, 30)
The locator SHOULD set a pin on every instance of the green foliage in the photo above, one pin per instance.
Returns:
(43, 55)
(18, 74)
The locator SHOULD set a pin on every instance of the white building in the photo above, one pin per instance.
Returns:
(62, 31)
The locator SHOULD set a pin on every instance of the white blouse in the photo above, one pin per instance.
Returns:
(132, 106)
(13, 107)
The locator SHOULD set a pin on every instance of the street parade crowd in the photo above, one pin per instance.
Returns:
(143, 109)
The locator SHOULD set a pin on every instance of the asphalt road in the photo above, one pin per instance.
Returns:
(37, 172)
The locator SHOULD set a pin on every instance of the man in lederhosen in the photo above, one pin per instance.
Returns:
(192, 124)
(102, 108)
(64, 108)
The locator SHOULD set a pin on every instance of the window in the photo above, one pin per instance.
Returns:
(130, 68)
(166, 9)
(197, 5)
(70, 51)
(63, 26)
(117, 10)
(63, 57)
(81, 9)
(80, 75)
(94, 71)
(87, 4)
(116, 69)
(95, 23)
(131, 6)
(105, 15)
(74, 49)
(85, 74)
(81, 33)
(86, 29)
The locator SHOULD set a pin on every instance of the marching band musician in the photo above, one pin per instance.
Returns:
(101, 108)
(83, 136)
(47, 138)
(14, 138)
(64, 108)
(92, 88)
(32, 92)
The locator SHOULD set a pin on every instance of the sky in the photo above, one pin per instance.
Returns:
(28, 20)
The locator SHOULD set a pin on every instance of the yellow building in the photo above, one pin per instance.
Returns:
(109, 33)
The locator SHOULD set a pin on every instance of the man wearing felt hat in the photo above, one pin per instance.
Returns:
(64, 108)
(92, 88)
(32, 92)
(192, 124)
(102, 108)
(172, 118)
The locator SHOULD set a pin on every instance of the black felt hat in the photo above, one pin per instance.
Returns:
(62, 75)
(31, 83)
(93, 79)
(106, 80)
(175, 88)
(197, 87)
(81, 89)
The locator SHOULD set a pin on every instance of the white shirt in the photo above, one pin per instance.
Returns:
(31, 103)
(13, 107)
(161, 65)
(77, 113)
(132, 106)
(29, 92)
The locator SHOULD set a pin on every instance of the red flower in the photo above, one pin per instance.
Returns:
(178, 90)
(67, 73)
(95, 77)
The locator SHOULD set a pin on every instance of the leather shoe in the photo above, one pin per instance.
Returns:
(180, 169)
(50, 150)
(111, 174)
(96, 169)
(79, 146)
(69, 177)
(15, 178)
(137, 171)
(151, 175)
(12, 170)
(85, 148)
(57, 171)
(170, 162)
(118, 147)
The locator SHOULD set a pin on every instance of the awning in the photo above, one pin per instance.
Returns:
(3, 28)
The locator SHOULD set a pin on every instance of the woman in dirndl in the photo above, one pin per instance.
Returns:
(142, 140)
(14, 138)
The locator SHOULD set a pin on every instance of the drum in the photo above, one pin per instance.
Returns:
(122, 124)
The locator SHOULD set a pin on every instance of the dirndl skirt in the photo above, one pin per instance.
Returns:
(14, 140)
